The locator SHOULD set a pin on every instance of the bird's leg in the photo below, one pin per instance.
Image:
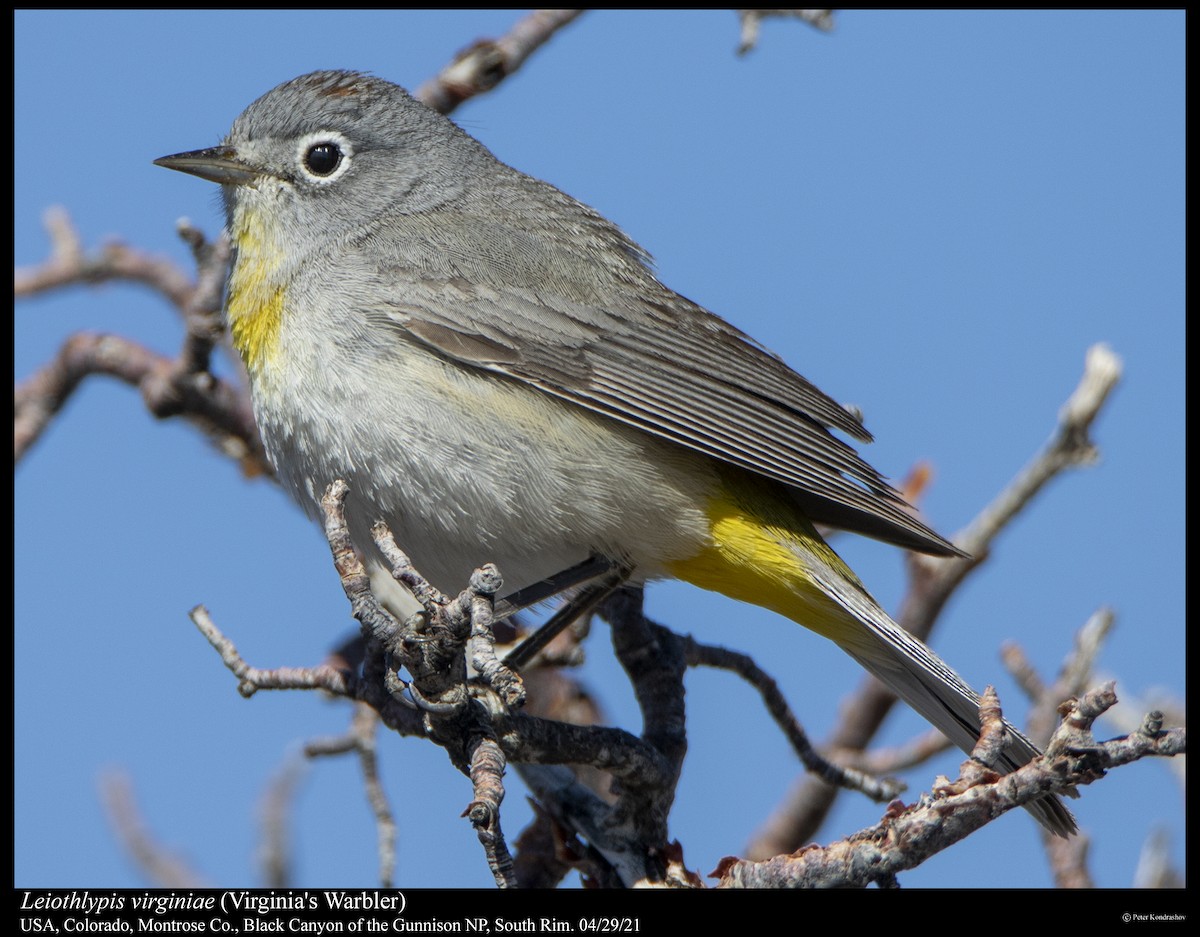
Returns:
(581, 603)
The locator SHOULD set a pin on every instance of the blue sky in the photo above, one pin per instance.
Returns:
(930, 215)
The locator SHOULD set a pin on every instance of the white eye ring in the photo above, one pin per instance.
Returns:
(342, 147)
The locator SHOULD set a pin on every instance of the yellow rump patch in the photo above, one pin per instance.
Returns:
(760, 552)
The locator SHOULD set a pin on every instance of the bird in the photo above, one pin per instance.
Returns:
(494, 370)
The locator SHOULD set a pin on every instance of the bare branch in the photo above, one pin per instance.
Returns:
(253, 679)
(155, 861)
(69, 265)
(915, 752)
(1070, 447)
(202, 310)
(275, 848)
(879, 789)
(487, 773)
(907, 836)
(1069, 860)
(1174, 710)
(487, 62)
(360, 740)
(654, 660)
(1075, 673)
(1155, 868)
(751, 20)
(180, 387)
(546, 852)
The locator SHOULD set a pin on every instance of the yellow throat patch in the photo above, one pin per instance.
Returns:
(254, 305)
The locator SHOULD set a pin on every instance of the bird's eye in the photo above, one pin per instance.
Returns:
(321, 159)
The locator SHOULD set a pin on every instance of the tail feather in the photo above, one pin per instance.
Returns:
(928, 684)
(764, 551)
(954, 710)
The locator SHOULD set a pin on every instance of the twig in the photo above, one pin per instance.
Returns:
(915, 752)
(487, 773)
(879, 789)
(654, 659)
(1155, 868)
(170, 387)
(69, 265)
(360, 740)
(151, 857)
(1074, 675)
(1069, 447)
(545, 851)
(253, 679)
(275, 851)
(1174, 710)
(907, 836)
(751, 20)
(487, 62)
(202, 309)
(1068, 858)
(403, 570)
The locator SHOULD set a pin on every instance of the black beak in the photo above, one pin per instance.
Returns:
(220, 164)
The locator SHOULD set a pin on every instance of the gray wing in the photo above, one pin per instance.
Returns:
(671, 368)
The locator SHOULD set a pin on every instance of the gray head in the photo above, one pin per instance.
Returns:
(348, 144)
(334, 155)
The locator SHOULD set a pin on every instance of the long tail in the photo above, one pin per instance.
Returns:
(928, 684)
(766, 553)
